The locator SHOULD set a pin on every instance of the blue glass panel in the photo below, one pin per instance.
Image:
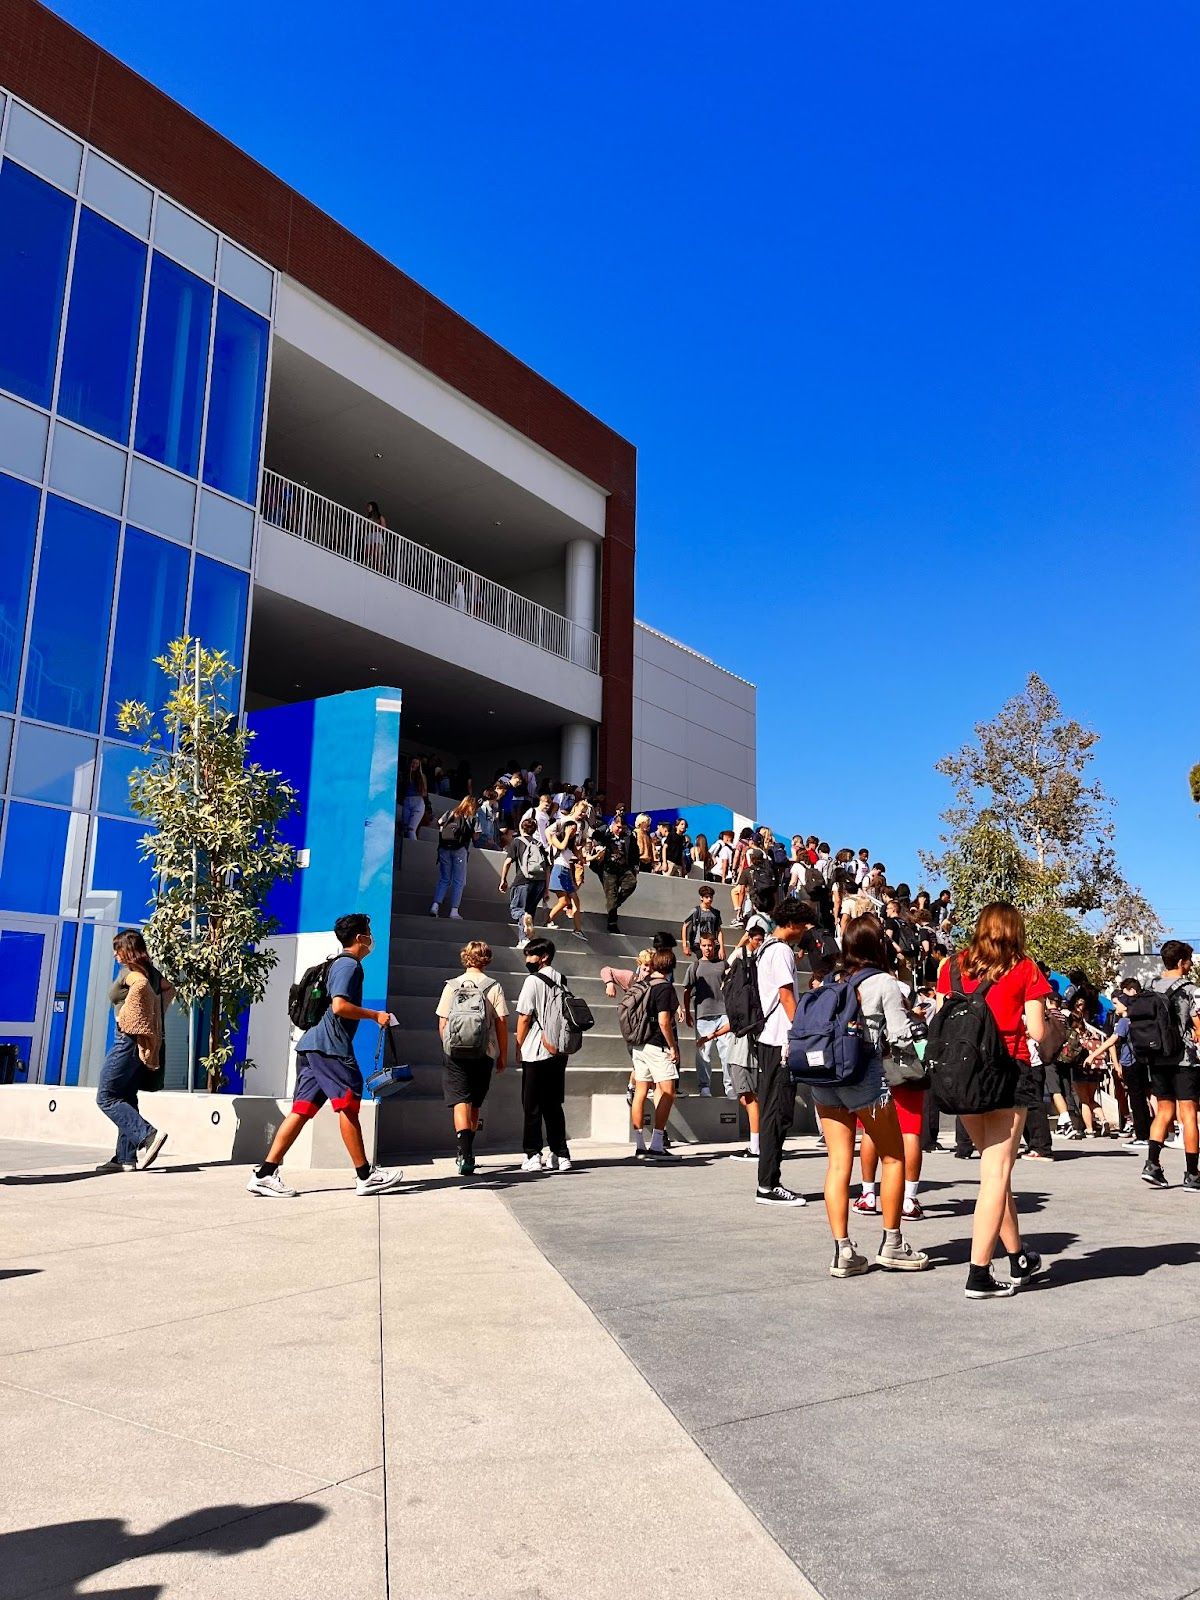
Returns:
(56, 1037)
(18, 533)
(20, 973)
(96, 386)
(54, 766)
(150, 601)
(116, 764)
(35, 240)
(174, 354)
(235, 400)
(35, 873)
(119, 876)
(80, 1007)
(218, 616)
(6, 732)
(65, 677)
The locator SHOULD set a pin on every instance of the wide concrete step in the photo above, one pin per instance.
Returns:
(581, 1081)
(572, 957)
(417, 1011)
(599, 1049)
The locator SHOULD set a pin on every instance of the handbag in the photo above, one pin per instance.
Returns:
(390, 1074)
(903, 1067)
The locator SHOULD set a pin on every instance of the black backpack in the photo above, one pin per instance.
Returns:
(743, 1005)
(814, 881)
(637, 1012)
(820, 945)
(970, 1070)
(454, 832)
(1155, 1034)
(763, 883)
(308, 997)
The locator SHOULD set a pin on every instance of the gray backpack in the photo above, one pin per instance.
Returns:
(467, 1026)
(560, 1034)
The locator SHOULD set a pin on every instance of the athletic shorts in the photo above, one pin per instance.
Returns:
(1175, 1083)
(320, 1078)
(869, 1090)
(652, 1064)
(562, 879)
(910, 1107)
(466, 1082)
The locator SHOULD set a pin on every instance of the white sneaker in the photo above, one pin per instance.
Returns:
(564, 1164)
(433, 910)
(378, 1180)
(531, 1164)
(549, 1161)
(273, 1184)
(706, 1094)
(455, 916)
(522, 942)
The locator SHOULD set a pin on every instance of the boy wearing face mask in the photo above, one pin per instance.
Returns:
(543, 1072)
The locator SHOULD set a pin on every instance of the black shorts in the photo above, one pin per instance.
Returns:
(1175, 1083)
(467, 1082)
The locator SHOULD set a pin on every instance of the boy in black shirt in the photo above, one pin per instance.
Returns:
(705, 919)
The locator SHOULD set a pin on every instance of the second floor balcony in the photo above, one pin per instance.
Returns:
(306, 515)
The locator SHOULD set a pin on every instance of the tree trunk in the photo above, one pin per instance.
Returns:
(214, 1036)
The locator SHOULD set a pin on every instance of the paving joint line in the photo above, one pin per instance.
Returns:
(951, 1372)
(175, 1322)
(654, 1389)
(319, 1481)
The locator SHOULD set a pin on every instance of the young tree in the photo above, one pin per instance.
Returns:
(1028, 826)
(215, 846)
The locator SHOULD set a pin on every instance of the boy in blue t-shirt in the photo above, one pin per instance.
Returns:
(326, 1069)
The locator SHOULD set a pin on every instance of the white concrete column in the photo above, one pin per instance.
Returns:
(576, 752)
(580, 591)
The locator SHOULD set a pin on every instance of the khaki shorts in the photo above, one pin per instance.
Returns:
(652, 1064)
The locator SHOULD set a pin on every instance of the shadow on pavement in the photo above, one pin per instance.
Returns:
(64, 1554)
(957, 1252)
(19, 1272)
(1117, 1261)
(16, 1179)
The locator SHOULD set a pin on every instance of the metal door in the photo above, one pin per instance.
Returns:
(26, 964)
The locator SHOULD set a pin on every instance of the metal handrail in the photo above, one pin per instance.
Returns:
(305, 515)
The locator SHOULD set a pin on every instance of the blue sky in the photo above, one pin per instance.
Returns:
(898, 303)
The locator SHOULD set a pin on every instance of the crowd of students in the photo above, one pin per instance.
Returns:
(814, 938)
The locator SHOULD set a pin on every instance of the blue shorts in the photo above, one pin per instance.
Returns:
(869, 1090)
(320, 1078)
(562, 880)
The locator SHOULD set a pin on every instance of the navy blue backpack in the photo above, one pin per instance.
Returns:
(828, 1041)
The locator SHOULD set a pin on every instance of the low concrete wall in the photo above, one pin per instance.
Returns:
(202, 1127)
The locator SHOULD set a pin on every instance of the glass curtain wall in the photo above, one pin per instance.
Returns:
(132, 398)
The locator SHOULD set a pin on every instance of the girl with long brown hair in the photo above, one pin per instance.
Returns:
(139, 997)
(457, 832)
(1015, 990)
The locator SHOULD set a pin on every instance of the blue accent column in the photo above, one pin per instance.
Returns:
(342, 754)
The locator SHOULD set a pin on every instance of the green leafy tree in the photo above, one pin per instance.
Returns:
(1027, 824)
(215, 844)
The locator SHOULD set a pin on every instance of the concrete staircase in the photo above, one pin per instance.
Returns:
(424, 953)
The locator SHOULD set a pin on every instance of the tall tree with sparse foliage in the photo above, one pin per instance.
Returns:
(215, 844)
(1029, 824)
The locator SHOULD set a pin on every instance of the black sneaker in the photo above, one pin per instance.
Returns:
(628, 1094)
(989, 1287)
(1191, 1180)
(1153, 1174)
(1028, 1266)
(743, 1155)
(663, 1155)
(779, 1196)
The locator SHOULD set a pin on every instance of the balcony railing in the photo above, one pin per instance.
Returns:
(305, 515)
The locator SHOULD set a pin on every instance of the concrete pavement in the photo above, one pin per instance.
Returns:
(203, 1394)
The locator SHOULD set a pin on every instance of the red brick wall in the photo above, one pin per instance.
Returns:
(67, 76)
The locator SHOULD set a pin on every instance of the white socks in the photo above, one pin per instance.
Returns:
(910, 1189)
(639, 1140)
(754, 1144)
(868, 1190)
(656, 1139)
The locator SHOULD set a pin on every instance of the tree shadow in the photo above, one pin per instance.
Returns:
(1117, 1261)
(62, 1555)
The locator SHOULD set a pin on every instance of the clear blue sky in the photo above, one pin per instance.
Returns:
(898, 302)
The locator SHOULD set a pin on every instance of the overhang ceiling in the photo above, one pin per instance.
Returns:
(326, 433)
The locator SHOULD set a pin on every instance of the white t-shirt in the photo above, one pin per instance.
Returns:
(542, 820)
(495, 997)
(776, 969)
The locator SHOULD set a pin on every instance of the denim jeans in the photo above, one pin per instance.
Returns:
(521, 899)
(117, 1096)
(452, 876)
(705, 1047)
(414, 810)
